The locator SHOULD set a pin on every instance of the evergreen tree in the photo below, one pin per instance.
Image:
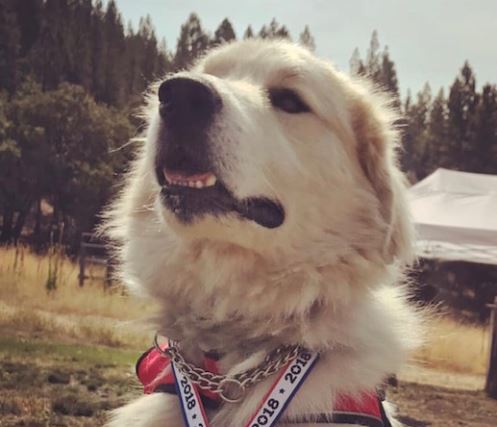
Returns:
(80, 55)
(9, 46)
(165, 60)
(355, 63)
(378, 67)
(373, 59)
(151, 63)
(388, 78)
(99, 51)
(249, 33)
(114, 74)
(306, 39)
(437, 135)
(485, 160)
(274, 31)
(224, 33)
(192, 42)
(29, 15)
(415, 137)
(462, 104)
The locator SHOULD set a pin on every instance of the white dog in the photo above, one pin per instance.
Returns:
(266, 210)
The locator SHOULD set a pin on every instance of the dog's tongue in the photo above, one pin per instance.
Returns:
(262, 211)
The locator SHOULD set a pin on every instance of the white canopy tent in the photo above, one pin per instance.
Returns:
(456, 216)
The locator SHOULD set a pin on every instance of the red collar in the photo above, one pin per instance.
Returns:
(155, 373)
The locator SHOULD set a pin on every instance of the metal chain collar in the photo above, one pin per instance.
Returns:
(230, 388)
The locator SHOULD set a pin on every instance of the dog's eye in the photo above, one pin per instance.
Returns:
(287, 100)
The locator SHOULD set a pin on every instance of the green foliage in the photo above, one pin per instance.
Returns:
(193, 42)
(224, 33)
(71, 73)
(415, 134)
(64, 150)
(459, 132)
(9, 45)
(378, 67)
(274, 31)
(249, 33)
(306, 39)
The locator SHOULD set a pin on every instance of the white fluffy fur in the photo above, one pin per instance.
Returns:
(327, 278)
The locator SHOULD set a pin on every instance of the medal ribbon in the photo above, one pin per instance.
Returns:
(272, 405)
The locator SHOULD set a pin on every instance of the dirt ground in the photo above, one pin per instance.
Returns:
(58, 385)
(424, 405)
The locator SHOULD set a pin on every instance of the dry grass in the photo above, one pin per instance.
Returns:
(90, 313)
(93, 315)
(455, 346)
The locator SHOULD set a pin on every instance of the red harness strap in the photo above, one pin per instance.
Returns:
(155, 373)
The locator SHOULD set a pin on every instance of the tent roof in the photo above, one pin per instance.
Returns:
(456, 216)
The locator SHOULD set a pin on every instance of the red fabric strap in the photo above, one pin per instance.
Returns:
(366, 404)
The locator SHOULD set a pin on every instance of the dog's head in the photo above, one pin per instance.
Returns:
(265, 147)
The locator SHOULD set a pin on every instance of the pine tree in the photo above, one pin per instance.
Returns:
(9, 46)
(99, 51)
(485, 158)
(415, 136)
(249, 33)
(274, 31)
(437, 151)
(378, 67)
(29, 15)
(164, 63)
(224, 33)
(388, 78)
(462, 104)
(116, 54)
(355, 63)
(149, 55)
(52, 49)
(306, 39)
(192, 42)
(373, 60)
(80, 57)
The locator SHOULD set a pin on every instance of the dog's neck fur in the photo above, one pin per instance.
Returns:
(239, 288)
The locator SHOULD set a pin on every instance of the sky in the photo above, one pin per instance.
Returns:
(429, 40)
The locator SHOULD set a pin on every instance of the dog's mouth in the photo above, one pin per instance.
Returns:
(192, 195)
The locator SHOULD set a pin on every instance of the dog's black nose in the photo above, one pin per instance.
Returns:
(188, 100)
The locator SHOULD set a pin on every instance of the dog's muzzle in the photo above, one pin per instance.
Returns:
(185, 165)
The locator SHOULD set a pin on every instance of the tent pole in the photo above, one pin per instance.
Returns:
(491, 383)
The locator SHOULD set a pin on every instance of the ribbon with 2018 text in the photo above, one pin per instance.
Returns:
(272, 404)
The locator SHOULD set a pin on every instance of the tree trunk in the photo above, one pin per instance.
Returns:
(37, 227)
(8, 219)
(20, 221)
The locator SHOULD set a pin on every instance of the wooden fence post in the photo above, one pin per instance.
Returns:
(82, 264)
(491, 383)
(108, 273)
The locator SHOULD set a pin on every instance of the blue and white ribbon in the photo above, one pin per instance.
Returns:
(272, 405)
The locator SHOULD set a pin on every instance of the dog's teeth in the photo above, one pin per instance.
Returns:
(207, 181)
(210, 181)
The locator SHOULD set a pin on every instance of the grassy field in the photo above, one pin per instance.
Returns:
(90, 314)
(455, 346)
(94, 315)
(62, 384)
(49, 384)
(67, 355)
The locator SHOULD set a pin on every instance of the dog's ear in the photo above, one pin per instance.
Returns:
(376, 145)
